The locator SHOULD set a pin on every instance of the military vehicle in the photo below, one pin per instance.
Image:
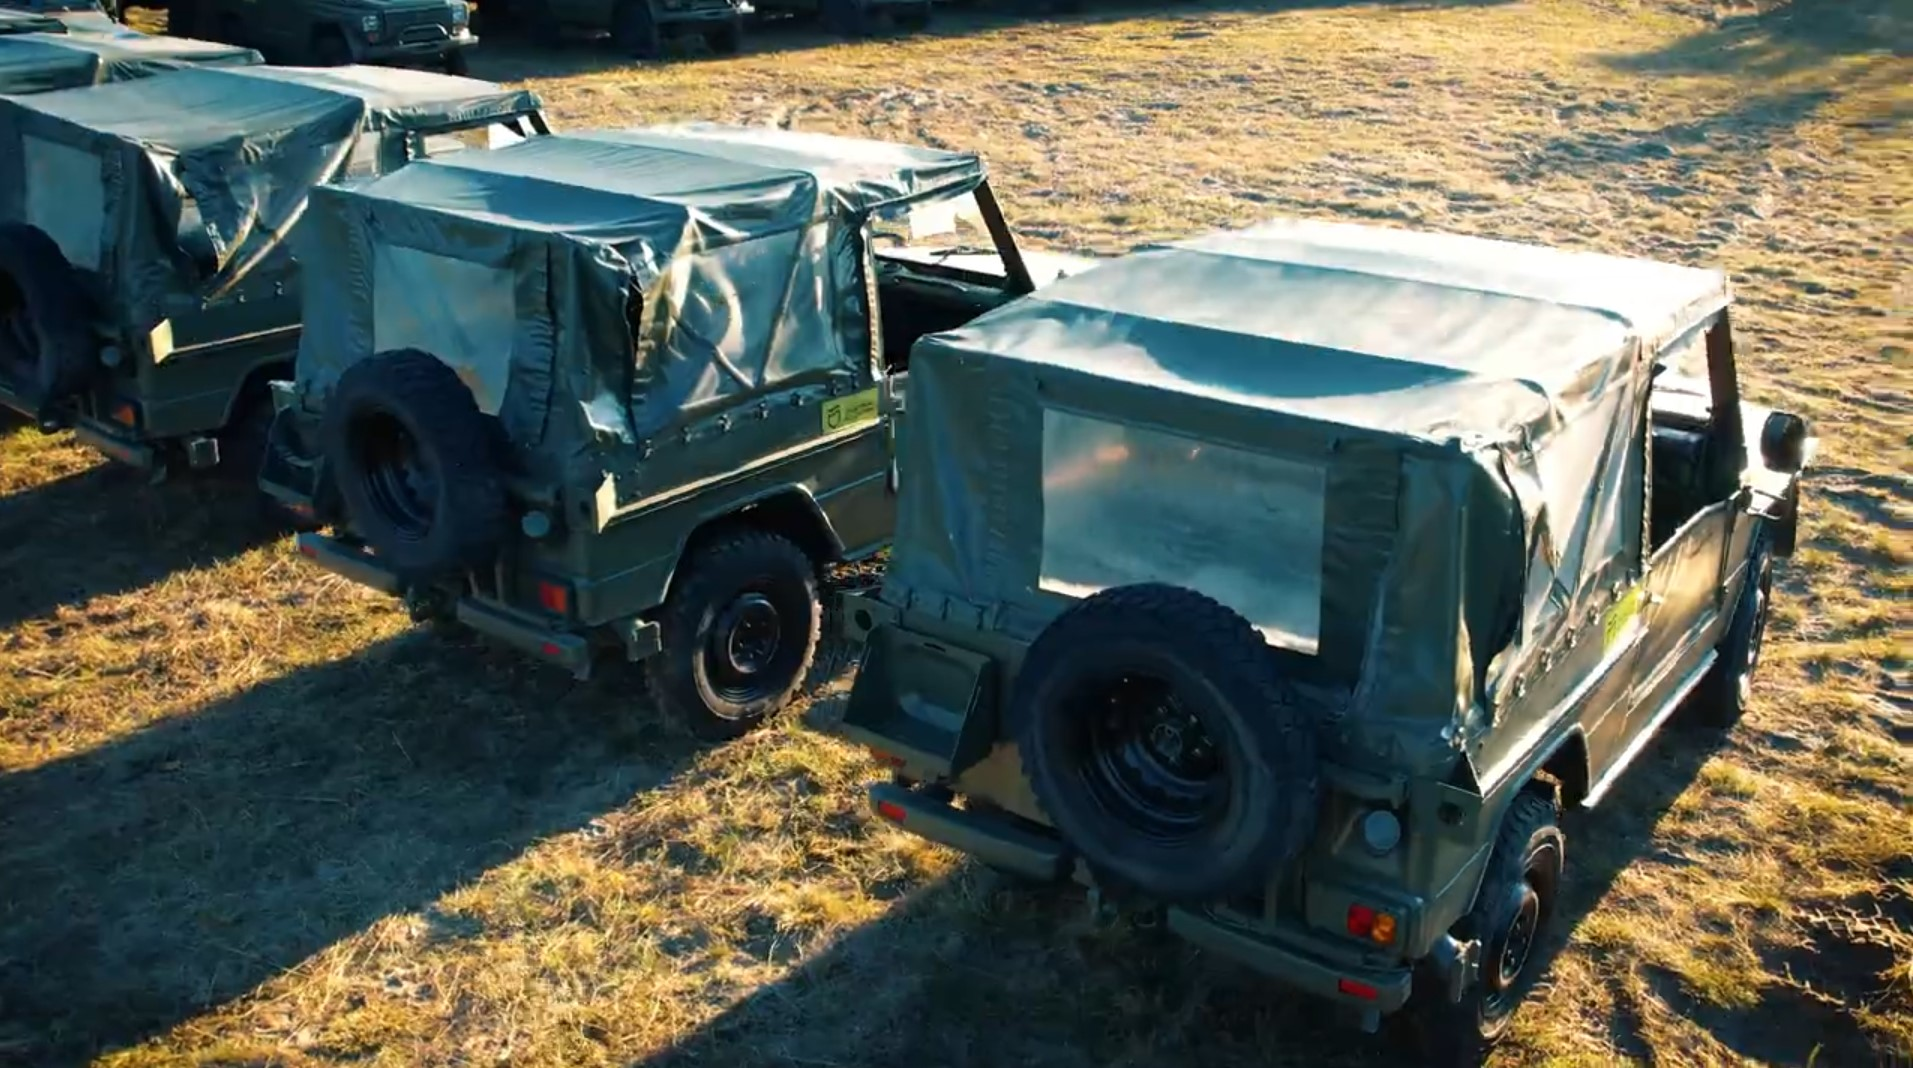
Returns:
(81, 14)
(637, 27)
(627, 391)
(409, 33)
(855, 18)
(1284, 583)
(70, 58)
(13, 21)
(148, 288)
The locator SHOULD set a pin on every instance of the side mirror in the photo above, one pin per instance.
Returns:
(1783, 442)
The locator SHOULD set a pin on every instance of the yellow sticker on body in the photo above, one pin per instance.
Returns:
(842, 413)
(1619, 614)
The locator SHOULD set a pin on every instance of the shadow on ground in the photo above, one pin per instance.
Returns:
(1784, 39)
(972, 970)
(969, 972)
(511, 57)
(108, 530)
(178, 867)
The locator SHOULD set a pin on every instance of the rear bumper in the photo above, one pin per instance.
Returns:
(118, 442)
(1298, 961)
(528, 634)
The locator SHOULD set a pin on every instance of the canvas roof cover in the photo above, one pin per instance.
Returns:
(37, 63)
(125, 175)
(1397, 331)
(744, 245)
(1441, 406)
(12, 22)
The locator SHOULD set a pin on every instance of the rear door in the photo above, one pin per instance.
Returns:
(1691, 528)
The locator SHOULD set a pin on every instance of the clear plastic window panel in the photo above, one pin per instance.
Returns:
(1124, 504)
(64, 198)
(463, 313)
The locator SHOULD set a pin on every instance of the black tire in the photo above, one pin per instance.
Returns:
(727, 41)
(414, 461)
(915, 19)
(742, 588)
(1522, 883)
(329, 49)
(243, 440)
(47, 347)
(634, 30)
(183, 18)
(1721, 698)
(1209, 783)
(458, 63)
(846, 18)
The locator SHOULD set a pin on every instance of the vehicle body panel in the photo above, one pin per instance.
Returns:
(189, 258)
(676, 332)
(399, 32)
(1499, 589)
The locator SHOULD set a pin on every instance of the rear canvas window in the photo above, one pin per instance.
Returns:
(463, 313)
(1124, 504)
(64, 198)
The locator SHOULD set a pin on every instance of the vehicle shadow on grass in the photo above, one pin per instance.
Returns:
(179, 867)
(108, 530)
(966, 972)
(511, 56)
(972, 970)
(1784, 39)
(1785, 1024)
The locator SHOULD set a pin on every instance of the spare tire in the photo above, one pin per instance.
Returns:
(415, 464)
(47, 347)
(1158, 734)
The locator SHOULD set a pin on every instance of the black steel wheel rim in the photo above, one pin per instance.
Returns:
(1150, 764)
(398, 477)
(1517, 944)
(742, 650)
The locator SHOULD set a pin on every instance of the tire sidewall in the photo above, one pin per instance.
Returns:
(1058, 747)
(680, 679)
(468, 513)
(62, 352)
(1223, 675)
(795, 601)
(635, 30)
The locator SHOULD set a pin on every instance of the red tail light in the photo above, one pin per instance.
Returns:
(891, 811)
(1357, 990)
(554, 598)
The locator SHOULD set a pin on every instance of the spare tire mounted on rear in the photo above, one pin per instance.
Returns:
(415, 463)
(47, 347)
(1158, 734)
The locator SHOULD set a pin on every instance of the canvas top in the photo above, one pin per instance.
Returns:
(1422, 334)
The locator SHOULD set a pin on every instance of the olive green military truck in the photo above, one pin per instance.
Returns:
(855, 18)
(17, 22)
(628, 391)
(92, 14)
(1288, 581)
(408, 33)
(148, 287)
(636, 27)
(73, 58)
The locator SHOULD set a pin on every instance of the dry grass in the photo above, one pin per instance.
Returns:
(249, 817)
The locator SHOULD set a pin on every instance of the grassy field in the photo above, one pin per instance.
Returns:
(249, 816)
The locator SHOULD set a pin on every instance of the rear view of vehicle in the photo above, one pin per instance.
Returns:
(1271, 583)
(620, 392)
(146, 267)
